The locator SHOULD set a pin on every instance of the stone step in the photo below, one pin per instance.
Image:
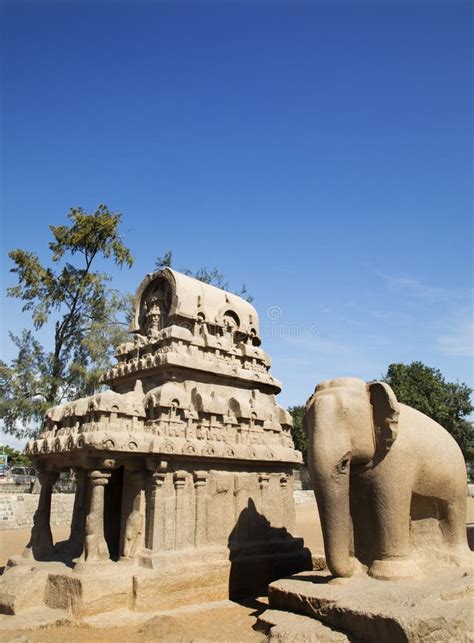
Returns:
(286, 627)
(434, 607)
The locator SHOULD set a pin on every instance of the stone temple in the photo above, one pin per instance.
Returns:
(183, 467)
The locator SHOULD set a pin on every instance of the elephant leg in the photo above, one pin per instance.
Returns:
(392, 515)
(453, 526)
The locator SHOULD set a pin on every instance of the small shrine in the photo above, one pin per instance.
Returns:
(184, 467)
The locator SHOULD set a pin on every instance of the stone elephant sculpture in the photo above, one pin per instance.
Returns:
(372, 461)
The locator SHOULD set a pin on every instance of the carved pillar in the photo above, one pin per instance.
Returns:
(200, 535)
(78, 522)
(95, 545)
(41, 545)
(154, 531)
(179, 483)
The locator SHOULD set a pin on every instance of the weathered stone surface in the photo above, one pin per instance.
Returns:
(187, 454)
(206, 580)
(23, 585)
(390, 482)
(192, 382)
(32, 619)
(286, 627)
(173, 579)
(435, 608)
(101, 588)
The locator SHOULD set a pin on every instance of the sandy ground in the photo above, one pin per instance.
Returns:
(224, 621)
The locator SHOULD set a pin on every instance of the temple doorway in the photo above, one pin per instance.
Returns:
(113, 512)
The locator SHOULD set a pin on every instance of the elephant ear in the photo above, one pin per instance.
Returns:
(307, 406)
(385, 410)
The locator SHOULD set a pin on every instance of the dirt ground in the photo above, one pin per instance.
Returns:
(226, 621)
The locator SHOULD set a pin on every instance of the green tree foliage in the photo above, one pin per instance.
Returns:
(299, 435)
(448, 403)
(15, 457)
(87, 318)
(213, 277)
(426, 390)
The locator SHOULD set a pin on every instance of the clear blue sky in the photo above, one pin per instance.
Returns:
(320, 153)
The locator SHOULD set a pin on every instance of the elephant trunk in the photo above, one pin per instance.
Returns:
(336, 526)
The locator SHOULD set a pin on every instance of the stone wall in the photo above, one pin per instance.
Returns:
(17, 510)
(12, 487)
(61, 486)
(303, 496)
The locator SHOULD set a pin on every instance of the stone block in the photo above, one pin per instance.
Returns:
(101, 589)
(285, 627)
(23, 587)
(434, 608)
(181, 585)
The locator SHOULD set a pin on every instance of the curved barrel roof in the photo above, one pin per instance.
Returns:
(194, 299)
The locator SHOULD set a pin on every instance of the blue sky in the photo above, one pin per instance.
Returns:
(320, 153)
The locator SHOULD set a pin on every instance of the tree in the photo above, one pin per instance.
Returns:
(87, 319)
(426, 390)
(448, 403)
(299, 435)
(213, 277)
(15, 457)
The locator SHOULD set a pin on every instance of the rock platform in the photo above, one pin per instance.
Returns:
(438, 607)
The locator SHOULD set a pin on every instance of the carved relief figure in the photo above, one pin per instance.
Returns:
(155, 308)
(133, 533)
(364, 444)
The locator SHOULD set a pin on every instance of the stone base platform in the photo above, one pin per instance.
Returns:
(159, 582)
(439, 607)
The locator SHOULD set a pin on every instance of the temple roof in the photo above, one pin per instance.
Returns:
(193, 299)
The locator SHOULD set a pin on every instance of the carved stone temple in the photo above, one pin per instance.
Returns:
(183, 467)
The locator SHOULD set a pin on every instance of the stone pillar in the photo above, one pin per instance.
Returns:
(78, 523)
(200, 535)
(154, 527)
(41, 545)
(179, 483)
(95, 545)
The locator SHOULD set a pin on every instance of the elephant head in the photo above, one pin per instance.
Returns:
(349, 424)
